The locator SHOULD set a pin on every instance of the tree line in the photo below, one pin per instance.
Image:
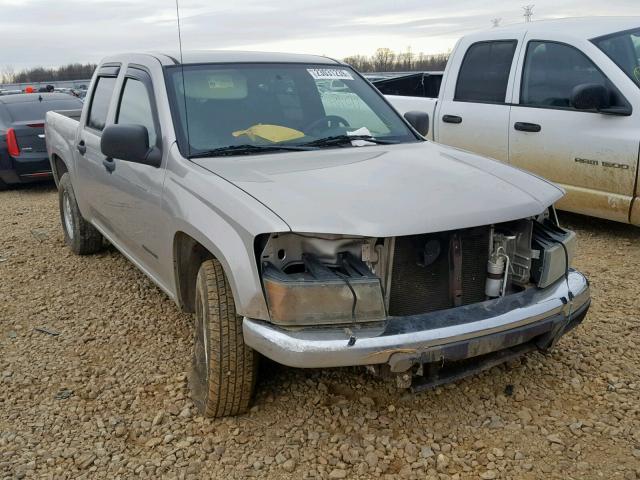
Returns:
(386, 60)
(73, 71)
(383, 60)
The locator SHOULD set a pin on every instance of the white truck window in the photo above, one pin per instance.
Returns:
(135, 107)
(100, 102)
(484, 73)
(624, 49)
(552, 70)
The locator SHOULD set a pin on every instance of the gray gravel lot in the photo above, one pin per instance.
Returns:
(94, 362)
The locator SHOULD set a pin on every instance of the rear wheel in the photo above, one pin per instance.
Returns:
(3, 186)
(224, 368)
(79, 235)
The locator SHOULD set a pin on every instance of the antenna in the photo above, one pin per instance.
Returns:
(184, 89)
(528, 12)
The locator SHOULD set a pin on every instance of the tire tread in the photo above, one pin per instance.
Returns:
(232, 367)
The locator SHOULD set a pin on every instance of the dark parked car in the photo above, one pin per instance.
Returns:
(23, 153)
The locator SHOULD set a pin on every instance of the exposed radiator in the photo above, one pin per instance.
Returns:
(423, 282)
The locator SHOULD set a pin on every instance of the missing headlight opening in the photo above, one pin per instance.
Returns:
(335, 279)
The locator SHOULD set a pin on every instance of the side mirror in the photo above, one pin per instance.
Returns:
(419, 121)
(590, 96)
(129, 143)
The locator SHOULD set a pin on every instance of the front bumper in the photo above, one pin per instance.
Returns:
(538, 315)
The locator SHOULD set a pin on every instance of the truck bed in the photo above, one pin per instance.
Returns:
(60, 128)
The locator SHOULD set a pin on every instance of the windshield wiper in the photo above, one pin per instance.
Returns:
(248, 150)
(344, 139)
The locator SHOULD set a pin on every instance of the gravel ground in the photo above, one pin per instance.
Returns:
(94, 362)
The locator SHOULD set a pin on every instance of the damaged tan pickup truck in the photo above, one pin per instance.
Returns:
(282, 200)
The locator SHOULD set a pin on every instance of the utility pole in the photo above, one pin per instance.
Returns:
(496, 22)
(528, 12)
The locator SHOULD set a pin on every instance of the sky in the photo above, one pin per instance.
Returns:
(52, 33)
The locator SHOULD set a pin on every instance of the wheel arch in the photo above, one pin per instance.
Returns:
(188, 255)
(58, 167)
(191, 247)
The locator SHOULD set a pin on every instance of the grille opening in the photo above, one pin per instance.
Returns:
(419, 286)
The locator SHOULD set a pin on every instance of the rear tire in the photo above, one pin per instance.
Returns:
(224, 368)
(79, 235)
(3, 186)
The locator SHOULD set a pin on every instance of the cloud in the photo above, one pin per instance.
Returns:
(35, 32)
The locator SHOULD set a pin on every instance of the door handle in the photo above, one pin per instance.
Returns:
(451, 119)
(82, 148)
(527, 127)
(109, 164)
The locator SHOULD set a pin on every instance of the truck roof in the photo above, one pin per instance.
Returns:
(584, 28)
(229, 56)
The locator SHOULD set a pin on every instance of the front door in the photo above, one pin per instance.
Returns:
(592, 155)
(134, 195)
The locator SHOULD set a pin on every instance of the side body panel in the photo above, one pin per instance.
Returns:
(60, 133)
(593, 156)
(222, 218)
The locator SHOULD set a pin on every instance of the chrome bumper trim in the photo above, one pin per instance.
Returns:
(319, 347)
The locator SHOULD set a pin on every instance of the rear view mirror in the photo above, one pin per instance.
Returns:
(590, 96)
(419, 121)
(129, 143)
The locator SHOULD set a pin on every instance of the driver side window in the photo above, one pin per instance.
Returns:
(135, 108)
(551, 72)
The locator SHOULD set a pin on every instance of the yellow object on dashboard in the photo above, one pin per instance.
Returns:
(272, 133)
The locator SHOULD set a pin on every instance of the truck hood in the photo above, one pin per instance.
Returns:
(386, 190)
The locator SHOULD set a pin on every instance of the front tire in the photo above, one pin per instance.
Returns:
(79, 235)
(224, 367)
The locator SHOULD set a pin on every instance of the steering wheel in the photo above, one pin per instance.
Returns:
(328, 121)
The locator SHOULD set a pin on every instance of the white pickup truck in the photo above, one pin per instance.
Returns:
(559, 98)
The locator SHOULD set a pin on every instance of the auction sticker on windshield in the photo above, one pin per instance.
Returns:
(330, 74)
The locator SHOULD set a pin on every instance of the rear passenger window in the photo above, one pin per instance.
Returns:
(484, 73)
(135, 107)
(552, 71)
(100, 102)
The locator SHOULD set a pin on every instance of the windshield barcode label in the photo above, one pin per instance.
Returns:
(329, 74)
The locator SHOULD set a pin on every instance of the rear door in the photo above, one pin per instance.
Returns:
(592, 155)
(474, 104)
(93, 184)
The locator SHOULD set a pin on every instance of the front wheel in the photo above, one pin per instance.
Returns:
(224, 367)
(79, 235)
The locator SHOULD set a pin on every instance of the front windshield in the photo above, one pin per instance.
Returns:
(226, 106)
(624, 49)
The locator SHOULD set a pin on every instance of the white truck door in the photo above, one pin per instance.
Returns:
(473, 109)
(592, 155)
